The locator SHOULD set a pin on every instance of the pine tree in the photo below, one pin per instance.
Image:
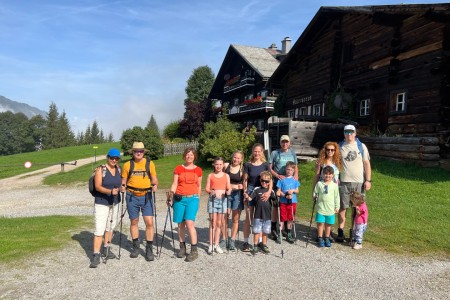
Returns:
(152, 126)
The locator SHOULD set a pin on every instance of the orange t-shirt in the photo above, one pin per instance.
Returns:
(188, 180)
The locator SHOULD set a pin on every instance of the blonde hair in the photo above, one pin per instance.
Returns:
(265, 174)
(263, 157)
(336, 156)
(357, 198)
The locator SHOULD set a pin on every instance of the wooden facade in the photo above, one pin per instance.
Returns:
(386, 68)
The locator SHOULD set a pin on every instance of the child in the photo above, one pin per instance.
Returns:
(326, 193)
(262, 214)
(217, 186)
(287, 188)
(361, 217)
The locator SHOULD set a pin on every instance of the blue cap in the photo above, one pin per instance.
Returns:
(113, 152)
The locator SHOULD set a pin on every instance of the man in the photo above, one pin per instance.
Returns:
(277, 160)
(356, 173)
(138, 177)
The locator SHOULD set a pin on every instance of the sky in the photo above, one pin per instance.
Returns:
(119, 62)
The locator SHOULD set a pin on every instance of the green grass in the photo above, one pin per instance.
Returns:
(23, 237)
(14, 164)
(408, 207)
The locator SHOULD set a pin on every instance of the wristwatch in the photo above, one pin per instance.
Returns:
(368, 180)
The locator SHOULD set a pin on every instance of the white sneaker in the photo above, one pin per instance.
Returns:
(357, 246)
(218, 249)
(210, 249)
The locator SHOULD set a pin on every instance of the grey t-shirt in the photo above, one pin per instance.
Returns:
(352, 162)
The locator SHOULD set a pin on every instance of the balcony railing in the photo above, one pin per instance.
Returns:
(266, 105)
(245, 81)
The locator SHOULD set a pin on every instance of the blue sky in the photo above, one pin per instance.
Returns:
(118, 62)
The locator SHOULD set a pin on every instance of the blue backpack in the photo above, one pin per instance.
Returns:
(358, 143)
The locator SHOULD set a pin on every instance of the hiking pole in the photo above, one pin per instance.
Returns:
(310, 221)
(108, 242)
(122, 213)
(171, 230)
(293, 223)
(164, 231)
(155, 218)
(279, 227)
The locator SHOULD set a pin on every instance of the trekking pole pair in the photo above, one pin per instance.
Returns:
(168, 215)
(310, 221)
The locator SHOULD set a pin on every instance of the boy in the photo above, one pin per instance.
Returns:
(328, 203)
(287, 190)
(262, 214)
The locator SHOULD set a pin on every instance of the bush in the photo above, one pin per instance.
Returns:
(222, 138)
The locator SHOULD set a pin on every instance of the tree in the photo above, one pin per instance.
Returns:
(192, 125)
(110, 138)
(151, 141)
(16, 134)
(87, 136)
(66, 136)
(172, 130)
(37, 125)
(199, 84)
(152, 126)
(222, 138)
(95, 134)
(51, 128)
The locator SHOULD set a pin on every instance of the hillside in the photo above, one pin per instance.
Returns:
(16, 107)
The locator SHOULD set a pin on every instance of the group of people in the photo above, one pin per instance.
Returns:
(264, 190)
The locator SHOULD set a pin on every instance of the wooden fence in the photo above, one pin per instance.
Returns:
(173, 149)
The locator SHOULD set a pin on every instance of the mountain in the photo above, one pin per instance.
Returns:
(16, 107)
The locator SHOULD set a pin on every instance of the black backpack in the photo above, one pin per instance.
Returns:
(147, 168)
(91, 183)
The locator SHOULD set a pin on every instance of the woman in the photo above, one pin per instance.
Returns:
(252, 169)
(107, 181)
(186, 189)
(236, 200)
(329, 155)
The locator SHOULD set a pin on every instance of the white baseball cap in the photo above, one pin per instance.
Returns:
(349, 127)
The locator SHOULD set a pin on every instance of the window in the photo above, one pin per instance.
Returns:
(291, 114)
(236, 101)
(263, 94)
(316, 110)
(260, 124)
(398, 102)
(364, 107)
(303, 111)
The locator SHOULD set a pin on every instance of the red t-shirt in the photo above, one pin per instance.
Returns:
(188, 180)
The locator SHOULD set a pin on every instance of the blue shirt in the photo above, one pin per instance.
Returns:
(288, 183)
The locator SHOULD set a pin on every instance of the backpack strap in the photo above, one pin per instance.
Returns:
(147, 168)
(358, 143)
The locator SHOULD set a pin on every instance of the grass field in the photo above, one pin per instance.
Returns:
(408, 205)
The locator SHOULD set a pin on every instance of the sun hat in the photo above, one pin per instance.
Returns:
(349, 127)
(285, 138)
(113, 152)
(138, 146)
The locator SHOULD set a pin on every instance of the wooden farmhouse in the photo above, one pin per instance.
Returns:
(385, 68)
(240, 89)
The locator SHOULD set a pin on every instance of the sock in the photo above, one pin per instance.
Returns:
(246, 240)
(260, 240)
(149, 242)
(135, 240)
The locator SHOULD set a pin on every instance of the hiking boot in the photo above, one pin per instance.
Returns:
(327, 242)
(246, 247)
(193, 255)
(284, 233)
(149, 252)
(218, 249)
(321, 243)
(135, 251)
(223, 244)
(231, 245)
(182, 252)
(254, 250)
(107, 253)
(357, 246)
(290, 238)
(264, 248)
(340, 238)
(278, 240)
(95, 260)
(273, 235)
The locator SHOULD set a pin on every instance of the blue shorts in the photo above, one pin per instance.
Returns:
(217, 205)
(250, 189)
(139, 203)
(236, 200)
(260, 225)
(185, 209)
(325, 219)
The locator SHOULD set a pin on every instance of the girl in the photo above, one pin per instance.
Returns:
(361, 217)
(235, 200)
(252, 171)
(218, 187)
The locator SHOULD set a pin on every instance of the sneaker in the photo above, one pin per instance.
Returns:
(95, 260)
(290, 238)
(107, 253)
(210, 249)
(231, 245)
(218, 249)
(264, 248)
(357, 246)
(321, 243)
(327, 242)
(246, 247)
(341, 237)
(254, 250)
(223, 244)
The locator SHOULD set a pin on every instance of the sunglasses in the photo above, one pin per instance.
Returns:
(325, 189)
(115, 158)
(349, 132)
(138, 151)
(331, 150)
(265, 181)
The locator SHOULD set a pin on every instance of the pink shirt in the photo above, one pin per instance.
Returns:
(363, 215)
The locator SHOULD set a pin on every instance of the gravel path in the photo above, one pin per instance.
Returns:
(308, 273)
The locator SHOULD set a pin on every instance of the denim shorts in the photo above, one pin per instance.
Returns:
(325, 219)
(250, 189)
(260, 225)
(236, 200)
(185, 209)
(217, 205)
(139, 203)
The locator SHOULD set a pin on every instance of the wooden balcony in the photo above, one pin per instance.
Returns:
(244, 82)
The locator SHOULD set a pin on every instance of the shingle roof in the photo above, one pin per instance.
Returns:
(259, 58)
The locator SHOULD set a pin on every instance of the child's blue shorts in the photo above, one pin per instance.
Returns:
(325, 219)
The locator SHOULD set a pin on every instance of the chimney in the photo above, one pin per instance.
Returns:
(273, 46)
(286, 45)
